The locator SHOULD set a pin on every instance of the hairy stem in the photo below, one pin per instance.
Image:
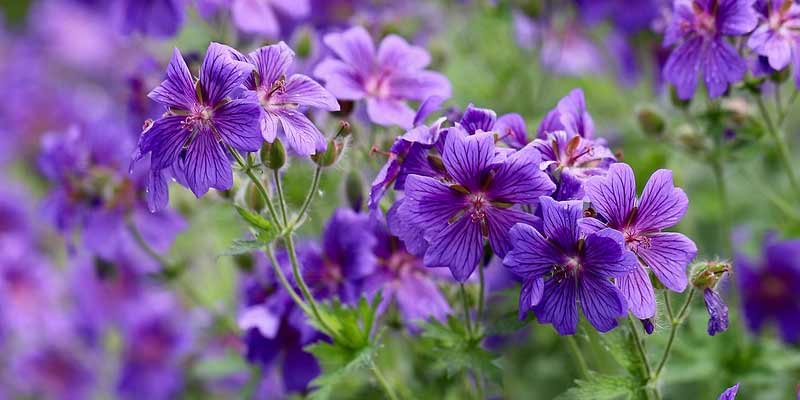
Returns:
(382, 381)
(282, 278)
(279, 189)
(676, 322)
(467, 322)
(780, 142)
(583, 368)
(309, 196)
(259, 185)
(639, 344)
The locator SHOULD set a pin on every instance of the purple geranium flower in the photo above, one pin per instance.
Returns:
(158, 18)
(641, 222)
(729, 393)
(386, 79)
(577, 267)
(569, 115)
(259, 16)
(201, 123)
(345, 258)
(778, 35)
(280, 96)
(479, 198)
(717, 311)
(699, 29)
(769, 290)
(55, 371)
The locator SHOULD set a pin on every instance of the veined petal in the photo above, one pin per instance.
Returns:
(164, 140)
(519, 180)
(394, 53)
(499, 222)
(531, 254)
(419, 85)
(662, 204)
(302, 136)
(466, 157)
(305, 91)
(342, 80)
(683, 66)
(430, 202)
(177, 90)
(459, 247)
(668, 255)
(220, 74)
(602, 303)
(477, 119)
(560, 221)
(157, 190)
(722, 66)
(638, 290)
(605, 255)
(614, 195)
(237, 122)
(355, 47)
(418, 299)
(272, 62)
(558, 306)
(589, 226)
(736, 17)
(389, 112)
(530, 295)
(512, 130)
(729, 393)
(269, 126)
(206, 165)
(255, 16)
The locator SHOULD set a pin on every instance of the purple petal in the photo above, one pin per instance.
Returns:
(237, 122)
(560, 221)
(220, 74)
(613, 195)
(466, 157)
(299, 369)
(558, 306)
(269, 126)
(389, 112)
(530, 295)
(478, 119)
(668, 255)
(605, 255)
(305, 91)
(459, 247)
(662, 204)
(683, 66)
(428, 106)
(165, 140)
(157, 190)
(531, 254)
(499, 222)
(177, 90)
(254, 16)
(736, 17)
(354, 46)
(602, 303)
(430, 202)
(519, 180)
(260, 318)
(340, 79)
(722, 66)
(295, 9)
(717, 312)
(729, 393)
(419, 85)
(589, 226)
(638, 290)
(302, 136)
(551, 123)
(512, 130)
(395, 53)
(573, 115)
(410, 234)
(418, 298)
(272, 62)
(206, 165)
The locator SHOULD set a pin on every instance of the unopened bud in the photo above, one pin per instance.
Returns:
(304, 45)
(651, 122)
(677, 101)
(706, 274)
(354, 190)
(253, 198)
(329, 156)
(273, 155)
(244, 262)
(693, 141)
(344, 129)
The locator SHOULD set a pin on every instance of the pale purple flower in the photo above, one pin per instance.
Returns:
(261, 17)
(778, 35)
(699, 29)
(641, 222)
(386, 78)
(559, 265)
(201, 124)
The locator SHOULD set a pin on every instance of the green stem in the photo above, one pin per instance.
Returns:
(576, 353)
(676, 322)
(166, 265)
(259, 185)
(279, 189)
(382, 380)
(784, 113)
(467, 322)
(783, 148)
(309, 196)
(722, 192)
(482, 288)
(639, 347)
(282, 278)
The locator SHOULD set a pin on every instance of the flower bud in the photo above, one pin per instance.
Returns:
(273, 155)
(344, 129)
(706, 274)
(651, 122)
(253, 198)
(693, 141)
(354, 190)
(329, 156)
(304, 44)
(244, 262)
(677, 101)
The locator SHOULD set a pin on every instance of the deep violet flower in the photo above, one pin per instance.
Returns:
(480, 199)
(61, 370)
(386, 78)
(778, 35)
(281, 95)
(569, 115)
(571, 159)
(510, 128)
(641, 222)
(201, 123)
(729, 393)
(769, 287)
(699, 29)
(560, 265)
(158, 18)
(717, 312)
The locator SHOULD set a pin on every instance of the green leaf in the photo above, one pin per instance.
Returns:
(455, 352)
(266, 231)
(243, 246)
(601, 387)
(338, 365)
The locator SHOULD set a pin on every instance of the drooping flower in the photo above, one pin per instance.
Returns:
(560, 265)
(402, 279)
(158, 18)
(479, 199)
(769, 288)
(729, 393)
(699, 29)
(778, 35)
(281, 95)
(386, 78)
(641, 222)
(717, 312)
(201, 123)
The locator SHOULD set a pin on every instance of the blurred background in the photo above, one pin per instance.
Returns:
(86, 313)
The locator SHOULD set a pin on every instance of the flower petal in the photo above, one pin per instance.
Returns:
(389, 112)
(206, 165)
(668, 255)
(722, 66)
(419, 85)
(602, 303)
(255, 16)
(499, 222)
(466, 157)
(177, 90)
(302, 136)
(605, 255)
(459, 247)
(340, 79)
(638, 290)
(477, 119)
(683, 65)
(272, 62)
(614, 195)
(419, 299)
(530, 295)
(237, 122)
(560, 221)
(729, 393)
(164, 140)
(220, 74)
(519, 180)
(573, 115)
(355, 47)
(430, 202)
(395, 53)
(305, 91)
(717, 312)
(512, 130)
(558, 306)
(736, 17)
(531, 254)
(662, 204)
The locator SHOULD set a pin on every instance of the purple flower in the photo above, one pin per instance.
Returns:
(569, 115)
(512, 130)
(260, 17)
(280, 96)
(699, 29)
(158, 18)
(386, 79)
(55, 371)
(574, 155)
(729, 393)
(630, 16)
(717, 312)
(641, 222)
(778, 35)
(402, 279)
(769, 288)
(201, 123)
(344, 259)
(560, 265)
(480, 198)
